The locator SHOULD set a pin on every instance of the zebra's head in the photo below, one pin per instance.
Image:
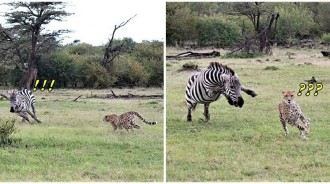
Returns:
(13, 100)
(233, 90)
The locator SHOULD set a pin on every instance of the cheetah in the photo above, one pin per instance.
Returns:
(290, 112)
(126, 120)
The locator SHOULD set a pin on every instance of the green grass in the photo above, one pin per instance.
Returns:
(74, 144)
(248, 143)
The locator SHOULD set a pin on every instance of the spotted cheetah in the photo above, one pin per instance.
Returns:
(126, 120)
(290, 112)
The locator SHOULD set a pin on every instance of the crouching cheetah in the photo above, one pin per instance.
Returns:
(290, 112)
(126, 120)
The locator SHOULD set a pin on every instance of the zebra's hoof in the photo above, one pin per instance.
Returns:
(189, 118)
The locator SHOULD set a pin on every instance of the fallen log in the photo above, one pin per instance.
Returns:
(325, 53)
(4, 96)
(131, 96)
(195, 55)
(77, 98)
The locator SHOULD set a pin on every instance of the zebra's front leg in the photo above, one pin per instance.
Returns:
(189, 115)
(24, 116)
(249, 92)
(206, 112)
(190, 106)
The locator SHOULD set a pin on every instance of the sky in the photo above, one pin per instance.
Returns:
(94, 20)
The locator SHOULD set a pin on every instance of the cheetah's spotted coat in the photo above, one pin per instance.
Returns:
(290, 113)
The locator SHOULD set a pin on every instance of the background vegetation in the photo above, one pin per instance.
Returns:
(27, 46)
(78, 65)
(222, 24)
(248, 143)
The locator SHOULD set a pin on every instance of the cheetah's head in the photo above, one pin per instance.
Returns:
(288, 97)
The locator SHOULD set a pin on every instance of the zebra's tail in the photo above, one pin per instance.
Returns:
(145, 121)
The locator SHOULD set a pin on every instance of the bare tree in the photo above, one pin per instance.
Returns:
(254, 12)
(111, 51)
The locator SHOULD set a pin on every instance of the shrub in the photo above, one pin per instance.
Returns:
(150, 56)
(93, 75)
(294, 22)
(129, 72)
(81, 49)
(326, 38)
(58, 66)
(271, 68)
(213, 31)
(189, 66)
(7, 128)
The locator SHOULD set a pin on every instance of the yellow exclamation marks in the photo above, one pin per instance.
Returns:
(35, 85)
(43, 86)
(51, 85)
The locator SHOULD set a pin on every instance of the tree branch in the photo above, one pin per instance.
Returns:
(4, 96)
(111, 53)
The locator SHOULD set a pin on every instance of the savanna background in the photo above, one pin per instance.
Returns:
(248, 143)
(73, 143)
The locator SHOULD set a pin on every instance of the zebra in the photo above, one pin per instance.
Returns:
(21, 101)
(207, 86)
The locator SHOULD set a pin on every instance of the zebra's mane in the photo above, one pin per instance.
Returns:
(216, 65)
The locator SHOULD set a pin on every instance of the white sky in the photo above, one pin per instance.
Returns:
(94, 21)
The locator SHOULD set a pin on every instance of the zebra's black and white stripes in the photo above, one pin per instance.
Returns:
(208, 85)
(21, 101)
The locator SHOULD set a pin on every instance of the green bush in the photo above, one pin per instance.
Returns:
(7, 128)
(129, 72)
(93, 75)
(294, 23)
(58, 66)
(326, 38)
(81, 49)
(180, 24)
(271, 68)
(213, 31)
(150, 56)
(189, 66)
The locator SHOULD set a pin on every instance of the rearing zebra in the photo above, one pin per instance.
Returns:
(20, 102)
(208, 85)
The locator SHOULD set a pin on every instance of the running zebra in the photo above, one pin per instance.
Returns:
(208, 85)
(21, 101)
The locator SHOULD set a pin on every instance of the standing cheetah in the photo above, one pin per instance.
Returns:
(126, 120)
(290, 112)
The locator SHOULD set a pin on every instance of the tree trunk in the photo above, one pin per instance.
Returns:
(29, 79)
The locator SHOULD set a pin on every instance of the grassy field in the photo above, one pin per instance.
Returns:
(74, 144)
(248, 144)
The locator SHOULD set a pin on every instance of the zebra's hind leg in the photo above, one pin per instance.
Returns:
(33, 110)
(206, 112)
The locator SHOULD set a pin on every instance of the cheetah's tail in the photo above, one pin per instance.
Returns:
(145, 121)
